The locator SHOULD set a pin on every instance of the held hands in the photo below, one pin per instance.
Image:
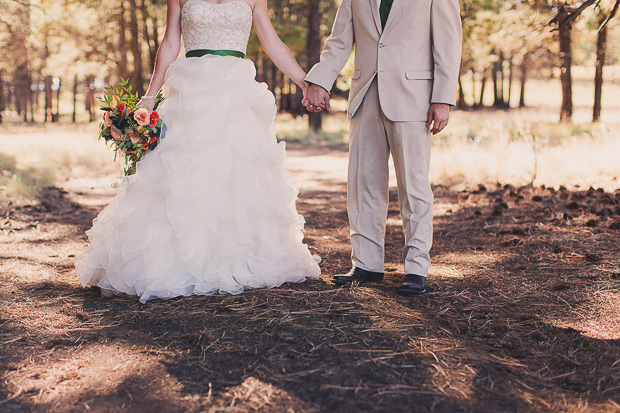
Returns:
(316, 99)
(438, 115)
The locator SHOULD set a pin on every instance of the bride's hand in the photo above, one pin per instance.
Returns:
(147, 103)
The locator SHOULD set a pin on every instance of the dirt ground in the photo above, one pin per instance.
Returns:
(521, 314)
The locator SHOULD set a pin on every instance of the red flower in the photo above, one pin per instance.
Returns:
(153, 139)
(153, 119)
(122, 108)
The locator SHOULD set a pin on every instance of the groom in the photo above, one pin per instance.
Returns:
(407, 59)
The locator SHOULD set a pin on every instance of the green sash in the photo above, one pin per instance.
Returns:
(202, 52)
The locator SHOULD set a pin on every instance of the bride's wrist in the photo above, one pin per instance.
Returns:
(301, 84)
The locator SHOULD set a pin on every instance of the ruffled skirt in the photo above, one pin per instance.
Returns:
(210, 209)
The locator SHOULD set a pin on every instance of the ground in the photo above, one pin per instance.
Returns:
(521, 313)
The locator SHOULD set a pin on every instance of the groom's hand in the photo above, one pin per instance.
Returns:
(438, 115)
(316, 99)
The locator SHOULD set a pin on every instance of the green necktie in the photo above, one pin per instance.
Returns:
(384, 11)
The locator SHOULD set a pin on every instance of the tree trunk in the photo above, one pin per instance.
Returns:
(473, 89)
(31, 100)
(20, 80)
(483, 84)
(461, 104)
(145, 33)
(501, 101)
(122, 41)
(260, 67)
(494, 76)
(23, 102)
(90, 97)
(313, 48)
(510, 76)
(601, 48)
(17, 99)
(155, 33)
(48, 98)
(75, 90)
(2, 99)
(35, 96)
(56, 117)
(524, 68)
(286, 93)
(277, 91)
(566, 111)
(138, 80)
(298, 108)
(29, 97)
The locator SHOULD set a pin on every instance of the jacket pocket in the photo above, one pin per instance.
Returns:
(419, 74)
(356, 74)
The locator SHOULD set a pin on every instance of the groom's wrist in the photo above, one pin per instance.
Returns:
(310, 83)
(317, 85)
(442, 103)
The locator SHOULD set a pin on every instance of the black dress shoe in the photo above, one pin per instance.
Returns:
(358, 274)
(413, 284)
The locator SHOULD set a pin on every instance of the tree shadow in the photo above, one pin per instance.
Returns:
(487, 336)
(54, 205)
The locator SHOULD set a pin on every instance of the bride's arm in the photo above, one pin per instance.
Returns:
(274, 47)
(168, 50)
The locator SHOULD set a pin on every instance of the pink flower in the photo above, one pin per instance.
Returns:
(106, 119)
(134, 138)
(141, 116)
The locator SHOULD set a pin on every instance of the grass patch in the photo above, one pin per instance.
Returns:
(521, 148)
(16, 183)
(335, 129)
(309, 137)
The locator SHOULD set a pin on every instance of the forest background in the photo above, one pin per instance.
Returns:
(56, 55)
(521, 312)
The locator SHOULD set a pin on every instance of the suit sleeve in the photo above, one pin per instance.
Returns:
(337, 49)
(447, 37)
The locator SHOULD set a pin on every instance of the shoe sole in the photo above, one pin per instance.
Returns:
(338, 282)
(409, 292)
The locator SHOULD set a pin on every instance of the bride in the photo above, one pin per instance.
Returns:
(210, 208)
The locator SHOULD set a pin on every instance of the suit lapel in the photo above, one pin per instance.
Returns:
(374, 7)
(392, 15)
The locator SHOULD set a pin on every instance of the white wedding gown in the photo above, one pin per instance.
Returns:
(210, 209)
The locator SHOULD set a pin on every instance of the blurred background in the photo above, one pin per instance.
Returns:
(539, 89)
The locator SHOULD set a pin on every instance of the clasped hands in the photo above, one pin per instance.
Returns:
(316, 99)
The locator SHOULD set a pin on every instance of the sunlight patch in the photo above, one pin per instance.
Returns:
(257, 395)
(596, 319)
(448, 271)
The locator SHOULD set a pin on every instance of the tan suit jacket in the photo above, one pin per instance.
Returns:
(416, 58)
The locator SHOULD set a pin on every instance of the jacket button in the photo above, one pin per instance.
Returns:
(381, 45)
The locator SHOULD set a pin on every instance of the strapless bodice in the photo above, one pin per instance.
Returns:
(223, 26)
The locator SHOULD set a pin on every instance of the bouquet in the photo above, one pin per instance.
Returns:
(129, 130)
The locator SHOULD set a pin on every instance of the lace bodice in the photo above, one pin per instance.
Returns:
(223, 26)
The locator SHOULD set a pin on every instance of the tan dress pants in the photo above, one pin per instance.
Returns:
(373, 138)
